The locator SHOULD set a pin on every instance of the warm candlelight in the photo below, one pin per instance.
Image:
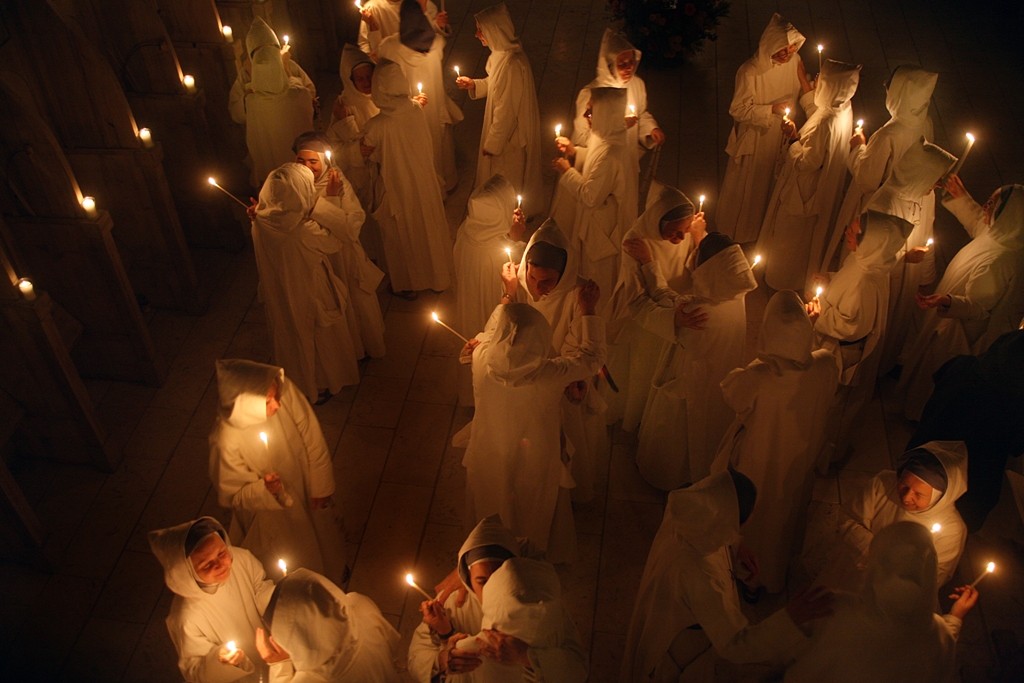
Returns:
(508, 252)
(230, 647)
(785, 117)
(359, 5)
(285, 39)
(963, 157)
(860, 126)
(438, 321)
(189, 82)
(558, 131)
(27, 289)
(820, 49)
(214, 183)
(327, 153)
(89, 204)
(988, 570)
(146, 137)
(930, 242)
(229, 35)
(519, 201)
(701, 208)
(419, 86)
(409, 580)
(263, 438)
(283, 566)
(757, 259)
(818, 291)
(632, 110)
(457, 74)
(936, 528)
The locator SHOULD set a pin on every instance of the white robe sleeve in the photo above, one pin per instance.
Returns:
(646, 120)
(808, 153)
(343, 131)
(743, 108)
(369, 40)
(592, 189)
(850, 321)
(236, 101)
(589, 359)
(857, 529)
(869, 163)
(580, 127)
(968, 212)
(423, 650)
(480, 88)
(321, 472)
(198, 658)
(985, 287)
(504, 110)
(341, 221)
(238, 486)
(564, 664)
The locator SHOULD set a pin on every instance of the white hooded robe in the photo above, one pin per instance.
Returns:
(513, 460)
(386, 12)
(511, 126)
(985, 283)
(756, 138)
(809, 188)
(201, 620)
(688, 581)
(296, 451)
(781, 400)
(410, 209)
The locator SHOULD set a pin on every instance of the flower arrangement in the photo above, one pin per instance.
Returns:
(668, 29)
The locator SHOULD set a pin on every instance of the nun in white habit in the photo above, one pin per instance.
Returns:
(655, 249)
(409, 205)
(492, 225)
(305, 301)
(981, 295)
(809, 188)
(850, 316)
(604, 189)
(510, 137)
(547, 279)
(326, 635)
(766, 84)
(220, 591)
(888, 631)
(382, 18)
(617, 62)
(923, 489)
(686, 415)
(781, 401)
(277, 106)
(418, 49)
(279, 490)
(687, 609)
(351, 111)
(341, 214)
(514, 464)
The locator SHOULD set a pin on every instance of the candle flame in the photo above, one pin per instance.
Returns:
(991, 567)
(144, 133)
(436, 320)
(508, 251)
(285, 37)
(88, 203)
(632, 110)
(519, 200)
(25, 285)
(860, 123)
(263, 438)
(327, 153)
(787, 111)
(230, 645)
(211, 180)
(702, 199)
(558, 130)
(820, 48)
(936, 528)
(419, 86)
(970, 137)
(930, 242)
(188, 80)
(226, 30)
(283, 566)
(409, 580)
(818, 291)
(757, 259)
(456, 70)
(359, 4)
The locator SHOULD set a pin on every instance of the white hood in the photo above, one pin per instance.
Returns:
(724, 276)
(390, 90)
(488, 531)
(911, 180)
(910, 91)
(705, 516)
(900, 581)
(607, 121)
(497, 28)
(490, 210)
(351, 57)
(550, 232)
(778, 34)
(169, 547)
(952, 455)
(242, 387)
(517, 343)
(786, 333)
(286, 198)
(523, 598)
(1008, 228)
(613, 44)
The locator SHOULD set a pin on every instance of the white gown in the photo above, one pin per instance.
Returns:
(514, 464)
(306, 303)
(201, 620)
(295, 450)
(781, 400)
(410, 209)
(687, 581)
(887, 633)
(686, 414)
(636, 334)
(386, 12)
(479, 255)
(809, 188)
(756, 138)
(331, 636)
(612, 45)
(985, 282)
(605, 192)
(511, 126)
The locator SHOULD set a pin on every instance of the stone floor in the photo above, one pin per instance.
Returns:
(100, 614)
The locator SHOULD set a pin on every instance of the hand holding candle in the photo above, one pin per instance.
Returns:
(409, 580)
(214, 183)
(438, 321)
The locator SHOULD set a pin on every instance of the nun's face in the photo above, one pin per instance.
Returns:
(990, 207)
(675, 231)
(273, 400)
(310, 160)
(625, 65)
(362, 78)
(478, 575)
(541, 280)
(785, 54)
(212, 560)
(480, 35)
(914, 494)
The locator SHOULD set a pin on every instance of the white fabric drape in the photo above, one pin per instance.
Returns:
(756, 138)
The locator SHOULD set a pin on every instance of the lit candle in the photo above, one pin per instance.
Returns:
(146, 137)
(89, 204)
(632, 110)
(230, 647)
(519, 201)
(508, 252)
(263, 438)
(419, 86)
(860, 126)
(438, 321)
(189, 82)
(214, 183)
(285, 39)
(558, 131)
(757, 259)
(27, 289)
(936, 528)
(409, 580)
(963, 157)
(930, 242)
(457, 74)
(701, 209)
(988, 570)
(785, 117)
(818, 291)
(359, 5)
(821, 48)
(283, 566)
(327, 153)
(229, 35)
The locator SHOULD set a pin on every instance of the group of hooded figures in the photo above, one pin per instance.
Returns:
(622, 306)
